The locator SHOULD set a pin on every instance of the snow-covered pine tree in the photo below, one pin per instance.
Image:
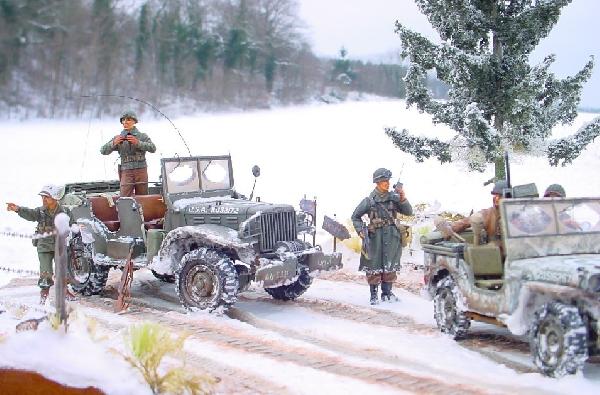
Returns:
(497, 101)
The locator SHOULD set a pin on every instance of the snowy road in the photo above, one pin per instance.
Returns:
(329, 340)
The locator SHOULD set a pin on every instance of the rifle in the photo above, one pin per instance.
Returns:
(366, 243)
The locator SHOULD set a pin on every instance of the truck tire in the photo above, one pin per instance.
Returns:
(558, 340)
(167, 278)
(448, 314)
(293, 290)
(206, 280)
(85, 277)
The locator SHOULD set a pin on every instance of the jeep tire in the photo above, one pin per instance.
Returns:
(206, 280)
(293, 290)
(85, 277)
(448, 314)
(558, 340)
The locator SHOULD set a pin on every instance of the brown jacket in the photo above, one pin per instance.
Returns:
(491, 224)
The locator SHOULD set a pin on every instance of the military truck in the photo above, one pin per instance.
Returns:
(195, 230)
(545, 283)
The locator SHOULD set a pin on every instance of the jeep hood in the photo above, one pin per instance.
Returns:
(569, 270)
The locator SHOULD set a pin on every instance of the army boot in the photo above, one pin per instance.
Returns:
(386, 292)
(44, 295)
(374, 299)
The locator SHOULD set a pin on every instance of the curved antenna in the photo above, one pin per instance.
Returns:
(148, 104)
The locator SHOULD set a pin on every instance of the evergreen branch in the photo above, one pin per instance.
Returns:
(420, 147)
(565, 150)
(521, 28)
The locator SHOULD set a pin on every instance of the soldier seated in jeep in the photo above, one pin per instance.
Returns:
(485, 223)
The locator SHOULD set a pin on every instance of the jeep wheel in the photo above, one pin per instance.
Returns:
(449, 316)
(207, 279)
(558, 340)
(84, 276)
(167, 278)
(293, 290)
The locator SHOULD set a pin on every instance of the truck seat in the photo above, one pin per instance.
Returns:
(153, 209)
(106, 211)
(485, 260)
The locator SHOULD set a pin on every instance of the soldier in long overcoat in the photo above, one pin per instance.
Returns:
(382, 260)
(44, 216)
(132, 145)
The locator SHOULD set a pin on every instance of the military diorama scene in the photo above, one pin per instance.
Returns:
(445, 239)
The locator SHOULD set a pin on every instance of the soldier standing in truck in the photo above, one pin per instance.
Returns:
(383, 260)
(132, 145)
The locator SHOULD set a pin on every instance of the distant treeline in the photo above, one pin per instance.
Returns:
(207, 54)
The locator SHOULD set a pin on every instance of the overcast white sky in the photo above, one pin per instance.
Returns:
(366, 29)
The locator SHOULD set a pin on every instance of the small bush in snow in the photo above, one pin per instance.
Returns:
(148, 344)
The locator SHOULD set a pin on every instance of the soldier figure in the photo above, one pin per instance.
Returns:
(44, 216)
(132, 146)
(555, 190)
(385, 249)
(486, 221)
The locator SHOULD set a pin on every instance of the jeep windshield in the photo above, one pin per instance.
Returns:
(189, 175)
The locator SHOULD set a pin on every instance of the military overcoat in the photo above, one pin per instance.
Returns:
(132, 156)
(384, 238)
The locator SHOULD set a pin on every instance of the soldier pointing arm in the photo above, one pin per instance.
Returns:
(44, 216)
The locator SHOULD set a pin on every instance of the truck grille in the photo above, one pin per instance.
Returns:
(276, 227)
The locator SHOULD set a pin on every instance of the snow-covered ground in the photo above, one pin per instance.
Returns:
(323, 151)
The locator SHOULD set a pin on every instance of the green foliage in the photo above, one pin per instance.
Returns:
(148, 344)
(496, 101)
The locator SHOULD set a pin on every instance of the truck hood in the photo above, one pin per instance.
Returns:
(227, 205)
(570, 270)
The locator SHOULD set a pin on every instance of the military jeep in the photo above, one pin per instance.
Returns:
(195, 230)
(546, 282)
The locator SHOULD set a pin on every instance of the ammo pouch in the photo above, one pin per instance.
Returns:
(136, 157)
(377, 223)
(404, 233)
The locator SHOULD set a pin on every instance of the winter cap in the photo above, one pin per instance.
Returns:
(499, 187)
(555, 190)
(128, 114)
(54, 191)
(381, 174)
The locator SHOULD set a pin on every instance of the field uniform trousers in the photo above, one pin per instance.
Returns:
(45, 281)
(134, 180)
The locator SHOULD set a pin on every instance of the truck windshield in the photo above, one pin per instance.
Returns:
(184, 176)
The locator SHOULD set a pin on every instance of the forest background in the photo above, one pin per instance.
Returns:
(72, 58)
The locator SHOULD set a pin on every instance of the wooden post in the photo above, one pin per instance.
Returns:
(61, 223)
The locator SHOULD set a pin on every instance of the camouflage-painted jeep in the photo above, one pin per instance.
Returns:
(195, 230)
(546, 285)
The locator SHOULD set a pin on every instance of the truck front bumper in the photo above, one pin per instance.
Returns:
(286, 269)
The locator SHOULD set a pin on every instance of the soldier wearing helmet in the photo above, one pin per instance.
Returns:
(44, 216)
(555, 190)
(487, 220)
(132, 145)
(382, 260)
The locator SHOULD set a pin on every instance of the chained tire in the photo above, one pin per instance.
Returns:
(85, 277)
(558, 340)
(167, 278)
(293, 290)
(449, 316)
(207, 280)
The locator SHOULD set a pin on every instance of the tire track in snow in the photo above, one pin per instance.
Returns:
(231, 337)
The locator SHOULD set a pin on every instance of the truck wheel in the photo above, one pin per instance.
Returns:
(293, 290)
(207, 279)
(84, 276)
(558, 340)
(449, 316)
(167, 278)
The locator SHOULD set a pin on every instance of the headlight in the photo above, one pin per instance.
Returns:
(594, 283)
